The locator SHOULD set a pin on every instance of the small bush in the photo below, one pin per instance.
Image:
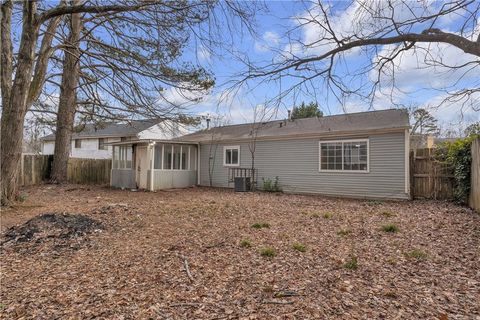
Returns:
(390, 228)
(458, 155)
(267, 252)
(351, 264)
(299, 247)
(417, 254)
(344, 232)
(245, 243)
(315, 215)
(328, 215)
(271, 186)
(260, 225)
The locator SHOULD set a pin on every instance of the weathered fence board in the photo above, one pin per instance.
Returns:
(89, 171)
(430, 179)
(35, 169)
(474, 201)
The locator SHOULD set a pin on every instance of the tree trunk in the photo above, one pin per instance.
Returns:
(14, 110)
(68, 100)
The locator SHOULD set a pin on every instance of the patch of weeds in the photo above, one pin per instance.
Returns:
(417, 254)
(299, 247)
(267, 252)
(22, 197)
(390, 228)
(260, 225)
(246, 243)
(2, 306)
(375, 202)
(328, 215)
(315, 215)
(344, 232)
(387, 214)
(351, 264)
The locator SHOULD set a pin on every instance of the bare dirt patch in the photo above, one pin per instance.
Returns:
(193, 254)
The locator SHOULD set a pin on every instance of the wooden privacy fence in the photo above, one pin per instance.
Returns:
(89, 171)
(429, 178)
(474, 201)
(37, 168)
(34, 169)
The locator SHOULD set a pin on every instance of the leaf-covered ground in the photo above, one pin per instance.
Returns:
(249, 256)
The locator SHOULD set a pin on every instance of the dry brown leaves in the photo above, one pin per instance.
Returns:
(178, 255)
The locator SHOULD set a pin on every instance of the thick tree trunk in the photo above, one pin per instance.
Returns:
(14, 110)
(68, 101)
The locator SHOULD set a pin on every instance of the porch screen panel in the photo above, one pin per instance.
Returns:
(193, 158)
(128, 157)
(184, 159)
(158, 157)
(167, 159)
(176, 157)
(116, 157)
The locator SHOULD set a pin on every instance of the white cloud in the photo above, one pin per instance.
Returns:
(269, 40)
(203, 54)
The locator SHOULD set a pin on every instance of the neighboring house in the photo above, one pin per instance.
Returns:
(92, 142)
(364, 155)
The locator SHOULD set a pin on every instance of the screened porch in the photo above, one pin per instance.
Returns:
(154, 165)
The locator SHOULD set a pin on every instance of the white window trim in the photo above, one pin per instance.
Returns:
(225, 156)
(343, 141)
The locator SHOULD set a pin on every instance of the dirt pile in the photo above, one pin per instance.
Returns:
(51, 227)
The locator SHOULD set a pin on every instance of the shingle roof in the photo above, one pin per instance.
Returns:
(110, 129)
(361, 121)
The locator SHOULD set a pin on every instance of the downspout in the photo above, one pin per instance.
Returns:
(152, 164)
(198, 163)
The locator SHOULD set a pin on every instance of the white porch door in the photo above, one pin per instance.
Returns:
(142, 167)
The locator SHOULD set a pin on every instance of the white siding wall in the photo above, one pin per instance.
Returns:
(164, 130)
(48, 147)
(88, 150)
(296, 163)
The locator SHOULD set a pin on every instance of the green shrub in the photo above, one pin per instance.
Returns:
(245, 243)
(458, 154)
(327, 215)
(390, 228)
(271, 186)
(260, 225)
(267, 252)
(299, 247)
(351, 264)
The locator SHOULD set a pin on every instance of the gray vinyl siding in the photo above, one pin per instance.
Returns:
(296, 163)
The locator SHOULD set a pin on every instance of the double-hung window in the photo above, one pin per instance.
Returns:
(345, 155)
(231, 156)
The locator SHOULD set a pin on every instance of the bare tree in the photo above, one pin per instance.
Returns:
(117, 78)
(316, 54)
(22, 82)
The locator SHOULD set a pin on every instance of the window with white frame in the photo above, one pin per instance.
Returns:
(346, 155)
(173, 157)
(231, 156)
(101, 144)
(122, 157)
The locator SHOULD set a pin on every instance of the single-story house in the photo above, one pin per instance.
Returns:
(362, 155)
(93, 140)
